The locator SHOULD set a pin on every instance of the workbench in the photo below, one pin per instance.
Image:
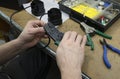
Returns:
(93, 64)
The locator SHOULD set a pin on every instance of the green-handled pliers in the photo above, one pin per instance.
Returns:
(88, 30)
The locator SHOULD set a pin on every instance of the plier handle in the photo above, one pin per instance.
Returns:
(88, 30)
(89, 41)
(105, 46)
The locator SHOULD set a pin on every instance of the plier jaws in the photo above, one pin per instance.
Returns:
(87, 28)
(105, 46)
(90, 30)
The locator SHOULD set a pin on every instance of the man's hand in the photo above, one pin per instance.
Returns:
(70, 55)
(32, 33)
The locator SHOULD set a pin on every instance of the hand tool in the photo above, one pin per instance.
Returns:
(53, 32)
(88, 29)
(105, 46)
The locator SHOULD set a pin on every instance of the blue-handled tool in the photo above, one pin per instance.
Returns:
(105, 46)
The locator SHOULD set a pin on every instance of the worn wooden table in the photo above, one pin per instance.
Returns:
(93, 64)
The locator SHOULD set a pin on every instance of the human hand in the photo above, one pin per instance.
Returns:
(32, 33)
(70, 55)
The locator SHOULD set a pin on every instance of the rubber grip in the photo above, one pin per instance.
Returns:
(105, 59)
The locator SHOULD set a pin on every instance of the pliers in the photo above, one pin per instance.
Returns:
(88, 30)
(105, 46)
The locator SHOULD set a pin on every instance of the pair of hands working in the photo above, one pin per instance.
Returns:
(69, 54)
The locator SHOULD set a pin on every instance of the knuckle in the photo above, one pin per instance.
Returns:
(74, 32)
(79, 36)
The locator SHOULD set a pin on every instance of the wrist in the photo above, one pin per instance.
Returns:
(71, 74)
(19, 43)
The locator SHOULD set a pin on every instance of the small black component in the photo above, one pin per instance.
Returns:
(53, 32)
(37, 7)
(55, 16)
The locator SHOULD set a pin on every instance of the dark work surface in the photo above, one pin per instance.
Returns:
(11, 4)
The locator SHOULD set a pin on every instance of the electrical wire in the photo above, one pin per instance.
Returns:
(48, 36)
(44, 45)
(42, 15)
(13, 29)
(15, 13)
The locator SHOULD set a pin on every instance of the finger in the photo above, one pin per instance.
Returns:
(37, 30)
(36, 23)
(66, 35)
(40, 23)
(45, 36)
(73, 36)
(78, 39)
(83, 41)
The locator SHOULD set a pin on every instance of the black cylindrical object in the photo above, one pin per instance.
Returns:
(55, 16)
(37, 7)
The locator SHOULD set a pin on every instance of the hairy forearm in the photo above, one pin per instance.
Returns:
(74, 74)
(9, 50)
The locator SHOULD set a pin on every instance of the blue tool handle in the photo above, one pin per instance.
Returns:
(114, 49)
(105, 59)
